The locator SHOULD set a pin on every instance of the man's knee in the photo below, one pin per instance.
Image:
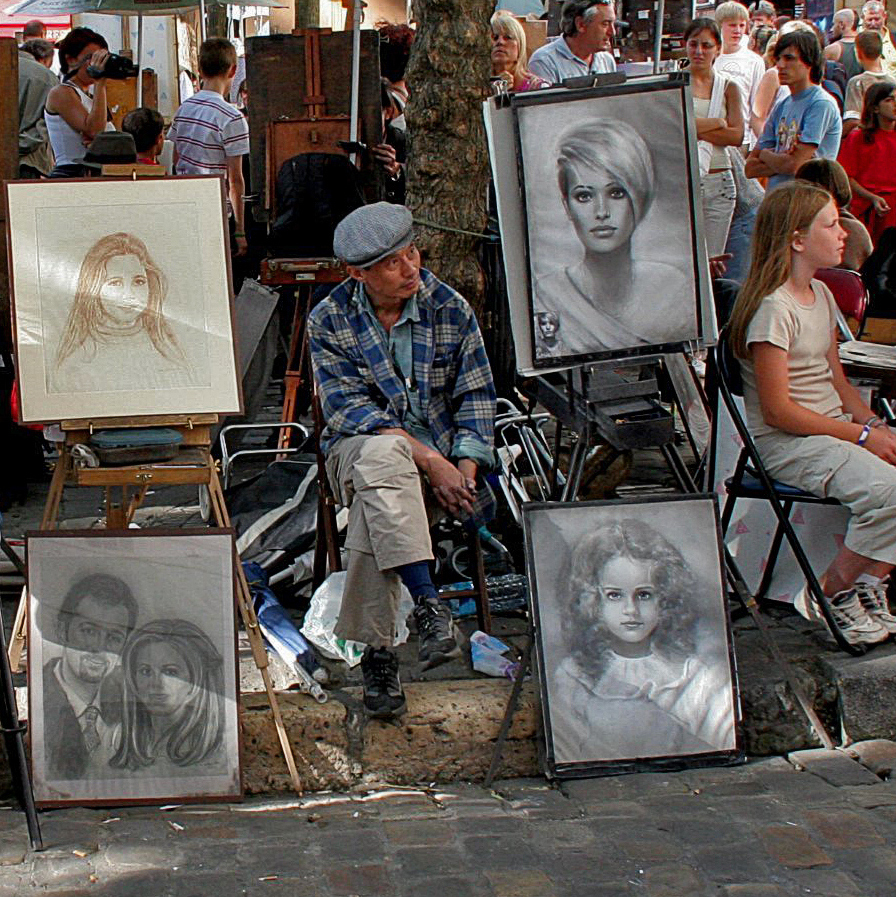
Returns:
(383, 460)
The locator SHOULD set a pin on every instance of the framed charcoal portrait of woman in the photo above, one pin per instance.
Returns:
(616, 259)
(121, 298)
(632, 635)
(132, 690)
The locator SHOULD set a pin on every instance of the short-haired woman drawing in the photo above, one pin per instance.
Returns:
(609, 299)
(632, 685)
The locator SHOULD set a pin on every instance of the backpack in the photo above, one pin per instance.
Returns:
(314, 191)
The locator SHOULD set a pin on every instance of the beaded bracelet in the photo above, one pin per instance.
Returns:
(863, 436)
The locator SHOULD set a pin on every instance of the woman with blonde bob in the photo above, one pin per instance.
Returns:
(610, 299)
(172, 700)
(117, 318)
(509, 56)
(811, 426)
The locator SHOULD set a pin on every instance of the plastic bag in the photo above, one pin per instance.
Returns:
(488, 656)
(323, 612)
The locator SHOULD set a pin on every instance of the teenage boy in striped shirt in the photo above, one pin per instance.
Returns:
(211, 136)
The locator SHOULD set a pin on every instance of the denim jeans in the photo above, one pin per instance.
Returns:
(739, 237)
(718, 193)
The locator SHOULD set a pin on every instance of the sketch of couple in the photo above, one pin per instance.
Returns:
(122, 699)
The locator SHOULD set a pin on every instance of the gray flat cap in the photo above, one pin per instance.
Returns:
(370, 233)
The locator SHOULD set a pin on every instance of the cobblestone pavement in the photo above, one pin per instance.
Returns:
(761, 830)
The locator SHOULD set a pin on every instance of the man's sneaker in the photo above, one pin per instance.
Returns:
(435, 630)
(383, 697)
(852, 620)
(873, 599)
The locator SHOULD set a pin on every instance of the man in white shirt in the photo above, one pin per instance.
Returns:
(585, 45)
(740, 64)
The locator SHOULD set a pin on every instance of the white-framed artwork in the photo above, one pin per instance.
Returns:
(597, 195)
(121, 298)
(632, 636)
(132, 677)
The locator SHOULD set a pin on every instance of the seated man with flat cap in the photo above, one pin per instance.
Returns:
(408, 403)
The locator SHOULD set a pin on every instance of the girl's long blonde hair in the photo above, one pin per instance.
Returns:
(504, 23)
(786, 211)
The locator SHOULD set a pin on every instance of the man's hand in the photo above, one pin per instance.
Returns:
(717, 266)
(881, 206)
(241, 245)
(385, 155)
(455, 492)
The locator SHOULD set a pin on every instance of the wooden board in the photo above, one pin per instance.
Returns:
(122, 95)
(275, 69)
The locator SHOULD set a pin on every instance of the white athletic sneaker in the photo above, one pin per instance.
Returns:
(853, 622)
(874, 602)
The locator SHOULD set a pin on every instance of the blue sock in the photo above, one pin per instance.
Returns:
(417, 580)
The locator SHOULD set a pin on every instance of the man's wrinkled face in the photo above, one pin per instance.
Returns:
(600, 30)
(395, 277)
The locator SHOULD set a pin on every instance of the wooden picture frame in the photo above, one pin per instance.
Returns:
(632, 636)
(132, 667)
(122, 298)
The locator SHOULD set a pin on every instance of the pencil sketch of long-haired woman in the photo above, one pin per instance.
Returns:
(117, 335)
(172, 701)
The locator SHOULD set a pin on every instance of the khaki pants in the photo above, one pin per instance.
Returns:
(376, 478)
(834, 468)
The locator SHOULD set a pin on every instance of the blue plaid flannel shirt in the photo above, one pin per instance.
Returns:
(361, 390)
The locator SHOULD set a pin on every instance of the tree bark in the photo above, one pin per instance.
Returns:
(448, 75)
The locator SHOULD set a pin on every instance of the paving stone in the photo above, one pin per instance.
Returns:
(705, 831)
(522, 883)
(616, 809)
(61, 871)
(140, 856)
(833, 766)
(875, 865)
(826, 883)
(673, 881)
(443, 887)
(558, 835)
(866, 692)
(13, 847)
(486, 825)
(755, 889)
(425, 861)
(871, 796)
(650, 846)
(790, 782)
(843, 828)
(792, 847)
(731, 863)
(597, 863)
(411, 833)
(505, 852)
(369, 880)
(878, 755)
(351, 846)
(588, 791)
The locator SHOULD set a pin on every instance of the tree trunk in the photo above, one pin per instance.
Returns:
(447, 176)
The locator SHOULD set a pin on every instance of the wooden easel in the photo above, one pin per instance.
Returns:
(125, 488)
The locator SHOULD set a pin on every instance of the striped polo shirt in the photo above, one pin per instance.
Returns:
(206, 130)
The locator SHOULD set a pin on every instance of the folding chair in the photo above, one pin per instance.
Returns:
(850, 294)
(326, 549)
(752, 480)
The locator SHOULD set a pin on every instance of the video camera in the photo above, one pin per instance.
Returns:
(117, 68)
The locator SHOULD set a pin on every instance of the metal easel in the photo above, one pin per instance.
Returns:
(618, 402)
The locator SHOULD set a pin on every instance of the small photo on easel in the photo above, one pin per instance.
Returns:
(132, 676)
(121, 298)
(632, 636)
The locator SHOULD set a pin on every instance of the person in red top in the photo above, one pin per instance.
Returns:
(869, 156)
(148, 130)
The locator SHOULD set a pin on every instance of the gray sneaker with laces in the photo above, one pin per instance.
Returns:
(857, 627)
(873, 599)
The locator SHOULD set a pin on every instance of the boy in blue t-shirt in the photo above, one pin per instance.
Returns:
(804, 125)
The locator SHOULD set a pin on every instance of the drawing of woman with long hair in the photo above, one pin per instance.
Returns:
(172, 700)
(117, 322)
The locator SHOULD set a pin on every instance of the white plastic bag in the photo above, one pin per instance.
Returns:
(324, 611)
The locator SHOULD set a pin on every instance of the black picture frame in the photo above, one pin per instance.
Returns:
(660, 708)
(674, 265)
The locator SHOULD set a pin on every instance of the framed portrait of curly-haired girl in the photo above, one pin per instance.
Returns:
(632, 635)
(132, 689)
(121, 298)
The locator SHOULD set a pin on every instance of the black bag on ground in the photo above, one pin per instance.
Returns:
(315, 191)
(879, 276)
